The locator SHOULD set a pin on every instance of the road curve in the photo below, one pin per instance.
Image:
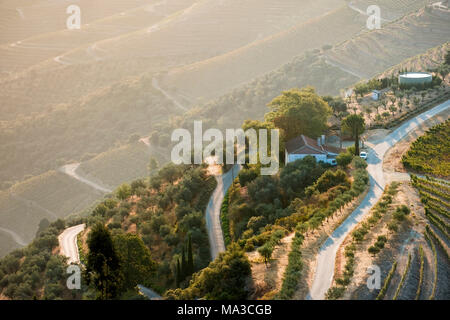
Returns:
(15, 236)
(70, 169)
(213, 225)
(324, 272)
(68, 243)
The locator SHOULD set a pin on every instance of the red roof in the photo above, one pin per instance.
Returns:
(305, 145)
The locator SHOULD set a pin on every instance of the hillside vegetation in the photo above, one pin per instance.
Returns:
(51, 195)
(430, 153)
(165, 214)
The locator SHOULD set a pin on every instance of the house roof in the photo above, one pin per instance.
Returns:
(305, 145)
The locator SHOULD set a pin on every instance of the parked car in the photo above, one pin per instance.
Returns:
(363, 155)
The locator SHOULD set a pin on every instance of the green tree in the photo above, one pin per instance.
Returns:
(136, 262)
(224, 279)
(190, 258)
(299, 111)
(124, 191)
(392, 109)
(178, 275)
(355, 125)
(103, 264)
(152, 166)
(266, 252)
(344, 159)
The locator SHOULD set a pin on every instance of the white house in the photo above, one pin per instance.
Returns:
(303, 146)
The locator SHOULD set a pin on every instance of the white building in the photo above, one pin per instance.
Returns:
(302, 146)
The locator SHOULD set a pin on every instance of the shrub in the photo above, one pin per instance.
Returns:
(373, 250)
(383, 290)
(393, 226)
(359, 163)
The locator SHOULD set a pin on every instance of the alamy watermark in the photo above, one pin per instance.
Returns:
(74, 280)
(73, 22)
(374, 280)
(188, 151)
(374, 20)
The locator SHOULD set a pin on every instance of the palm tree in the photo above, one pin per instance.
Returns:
(355, 125)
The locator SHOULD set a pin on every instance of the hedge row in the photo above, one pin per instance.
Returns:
(403, 278)
(433, 247)
(293, 269)
(441, 225)
(435, 203)
(438, 240)
(383, 290)
(419, 286)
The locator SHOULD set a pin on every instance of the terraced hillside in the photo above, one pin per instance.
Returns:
(430, 59)
(373, 52)
(430, 153)
(21, 19)
(51, 195)
(24, 46)
(33, 140)
(87, 95)
(215, 76)
(239, 66)
(390, 10)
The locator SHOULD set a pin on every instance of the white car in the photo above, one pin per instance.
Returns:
(363, 155)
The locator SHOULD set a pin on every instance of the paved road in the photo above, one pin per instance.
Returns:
(68, 243)
(70, 170)
(327, 254)
(213, 224)
(149, 293)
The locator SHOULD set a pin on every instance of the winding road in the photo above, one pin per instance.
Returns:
(15, 236)
(70, 169)
(323, 276)
(213, 225)
(68, 243)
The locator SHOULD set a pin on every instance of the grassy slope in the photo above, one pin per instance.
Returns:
(127, 163)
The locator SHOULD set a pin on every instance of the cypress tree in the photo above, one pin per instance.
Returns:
(190, 261)
(178, 275)
(183, 264)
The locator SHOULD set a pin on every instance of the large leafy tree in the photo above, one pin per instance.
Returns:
(299, 111)
(103, 264)
(136, 262)
(355, 125)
